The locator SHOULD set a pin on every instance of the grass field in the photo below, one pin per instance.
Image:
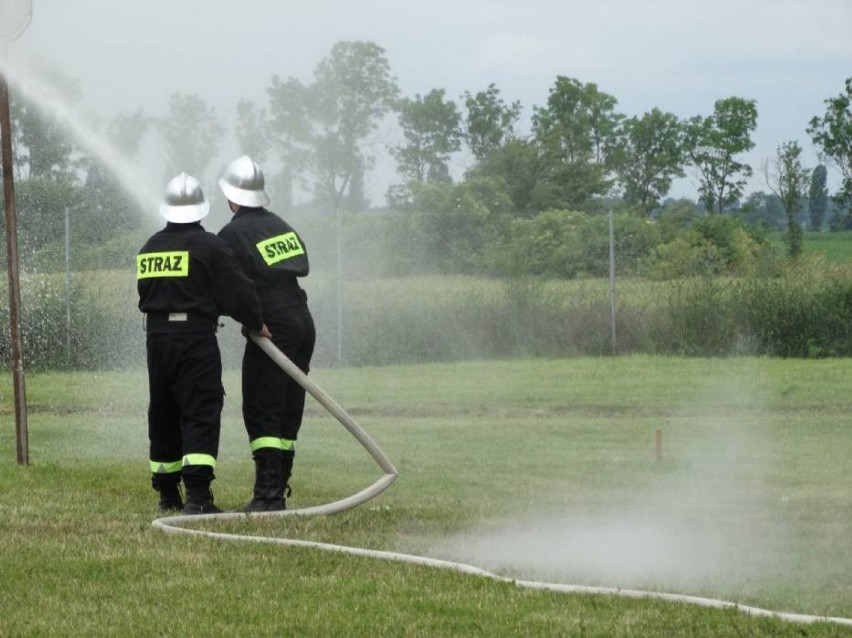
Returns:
(834, 246)
(536, 469)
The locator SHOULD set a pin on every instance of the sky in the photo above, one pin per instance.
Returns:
(677, 55)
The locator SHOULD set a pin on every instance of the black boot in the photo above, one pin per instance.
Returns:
(199, 498)
(168, 486)
(170, 499)
(200, 504)
(268, 486)
(287, 472)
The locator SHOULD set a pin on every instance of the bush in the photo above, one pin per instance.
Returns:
(569, 244)
(711, 245)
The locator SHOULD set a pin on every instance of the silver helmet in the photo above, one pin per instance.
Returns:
(184, 201)
(243, 183)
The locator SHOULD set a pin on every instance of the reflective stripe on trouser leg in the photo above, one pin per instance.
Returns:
(199, 459)
(165, 474)
(197, 476)
(272, 442)
(165, 467)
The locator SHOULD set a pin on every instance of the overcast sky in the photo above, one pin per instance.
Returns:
(678, 55)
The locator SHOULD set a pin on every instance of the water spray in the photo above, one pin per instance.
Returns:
(43, 98)
(174, 524)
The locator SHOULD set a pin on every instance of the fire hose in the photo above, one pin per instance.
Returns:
(173, 524)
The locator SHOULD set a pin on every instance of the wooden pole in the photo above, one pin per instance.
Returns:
(14, 283)
(658, 445)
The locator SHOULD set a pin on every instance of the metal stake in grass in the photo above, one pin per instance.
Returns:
(658, 445)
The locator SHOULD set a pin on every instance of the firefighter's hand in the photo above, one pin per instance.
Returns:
(263, 332)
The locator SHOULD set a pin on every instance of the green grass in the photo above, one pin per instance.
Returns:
(836, 247)
(536, 469)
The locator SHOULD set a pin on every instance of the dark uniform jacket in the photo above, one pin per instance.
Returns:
(272, 254)
(185, 269)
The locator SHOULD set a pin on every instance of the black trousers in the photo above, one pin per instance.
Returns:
(273, 403)
(185, 404)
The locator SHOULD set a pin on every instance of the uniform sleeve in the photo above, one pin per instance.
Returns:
(235, 293)
(232, 239)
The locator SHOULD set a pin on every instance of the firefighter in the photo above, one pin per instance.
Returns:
(186, 278)
(274, 257)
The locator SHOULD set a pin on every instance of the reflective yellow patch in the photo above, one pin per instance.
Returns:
(279, 248)
(170, 264)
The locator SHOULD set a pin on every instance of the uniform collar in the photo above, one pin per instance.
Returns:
(249, 209)
(193, 225)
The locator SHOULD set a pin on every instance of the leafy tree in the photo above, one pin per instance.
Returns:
(788, 181)
(431, 127)
(126, 132)
(517, 166)
(460, 225)
(576, 132)
(489, 122)
(191, 133)
(763, 210)
(356, 198)
(251, 130)
(290, 133)
(321, 128)
(832, 133)
(649, 157)
(569, 186)
(254, 135)
(675, 216)
(712, 144)
(818, 196)
(578, 122)
(841, 219)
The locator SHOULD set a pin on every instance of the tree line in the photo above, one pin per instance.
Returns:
(580, 158)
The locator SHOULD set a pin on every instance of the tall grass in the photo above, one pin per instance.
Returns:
(805, 312)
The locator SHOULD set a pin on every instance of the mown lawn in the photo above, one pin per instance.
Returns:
(536, 469)
(836, 247)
